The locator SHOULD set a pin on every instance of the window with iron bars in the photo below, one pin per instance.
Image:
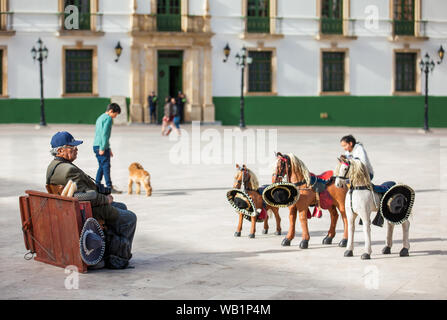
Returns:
(258, 16)
(169, 15)
(260, 71)
(333, 71)
(78, 71)
(405, 76)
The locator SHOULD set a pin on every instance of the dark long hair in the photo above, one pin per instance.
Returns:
(348, 139)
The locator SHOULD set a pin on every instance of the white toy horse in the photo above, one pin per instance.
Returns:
(362, 200)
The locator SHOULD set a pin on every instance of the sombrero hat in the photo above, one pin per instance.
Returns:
(282, 194)
(242, 202)
(396, 204)
(91, 243)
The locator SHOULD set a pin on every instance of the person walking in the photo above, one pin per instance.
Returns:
(167, 118)
(176, 115)
(152, 102)
(101, 145)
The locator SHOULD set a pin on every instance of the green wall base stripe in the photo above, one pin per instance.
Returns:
(60, 110)
(396, 111)
(293, 111)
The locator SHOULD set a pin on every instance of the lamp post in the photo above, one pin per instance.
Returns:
(41, 53)
(242, 60)
(427, 65)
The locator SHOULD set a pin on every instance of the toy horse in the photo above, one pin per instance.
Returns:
(291, 169)
(392, 201)
(246, 181)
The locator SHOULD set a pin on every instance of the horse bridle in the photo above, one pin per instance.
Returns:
(245, 179)
(285, 167)
(344, 177)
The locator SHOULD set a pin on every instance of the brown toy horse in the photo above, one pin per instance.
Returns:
(247, 180)
(297, 173)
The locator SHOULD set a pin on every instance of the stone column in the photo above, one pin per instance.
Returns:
(208, 106)
(136, 114)
(150, 72)
(191, 85)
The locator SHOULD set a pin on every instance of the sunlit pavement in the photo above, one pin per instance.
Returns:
(184, 246)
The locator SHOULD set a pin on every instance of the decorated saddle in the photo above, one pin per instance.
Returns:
(384, 187)
(319, 185)
(320, 182)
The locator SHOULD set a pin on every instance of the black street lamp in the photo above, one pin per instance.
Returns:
(242, 60)
(41, 53)
(118, 51)
(427, 65)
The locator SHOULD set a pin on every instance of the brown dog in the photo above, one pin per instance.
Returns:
(140, 176)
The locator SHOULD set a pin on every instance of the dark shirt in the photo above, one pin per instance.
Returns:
(152, 101)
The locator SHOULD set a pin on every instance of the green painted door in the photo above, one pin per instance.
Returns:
(170, 77)
(258, 16)
(169, 15)
(404, 17)
(332, 17)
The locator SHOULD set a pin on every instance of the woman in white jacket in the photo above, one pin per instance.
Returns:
(354, 149)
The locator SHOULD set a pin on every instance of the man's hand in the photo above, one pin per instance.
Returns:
(111, 153)
(101, 152)
(110, 198)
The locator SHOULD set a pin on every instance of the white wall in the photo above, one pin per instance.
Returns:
(298, 53)
(39, 19)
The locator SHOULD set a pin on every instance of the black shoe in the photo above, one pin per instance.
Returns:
(100, 265)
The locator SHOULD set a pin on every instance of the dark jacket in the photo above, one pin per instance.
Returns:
(65, 171)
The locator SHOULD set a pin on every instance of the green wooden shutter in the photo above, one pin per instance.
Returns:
(78, 71)
(332, 17)
(260, 71)
(333, 71)
(404, 17)
(258, 16)
(1, 72)
(169, 15)
(405, 77)
(84, 12)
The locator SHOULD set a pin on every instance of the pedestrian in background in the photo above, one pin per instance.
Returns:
(167, 118)
(176, 115)
(152, 102)
(101, 145)
(181, 100)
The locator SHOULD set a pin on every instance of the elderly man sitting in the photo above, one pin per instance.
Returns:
(120, 223)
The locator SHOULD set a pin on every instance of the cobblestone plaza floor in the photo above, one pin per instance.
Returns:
(184, 246)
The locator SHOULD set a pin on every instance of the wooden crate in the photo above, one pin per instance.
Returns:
(52, 226)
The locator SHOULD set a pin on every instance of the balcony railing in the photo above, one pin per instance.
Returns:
(162, 23)
(6, 21)
(258, 24)
(417, 28)
(87, 22)
(331, 26)
(169, 22)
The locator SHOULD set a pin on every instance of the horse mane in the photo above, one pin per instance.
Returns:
(359, 174)
(253, 179)
(298, 166)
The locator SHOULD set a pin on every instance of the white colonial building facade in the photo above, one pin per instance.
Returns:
(313, 62)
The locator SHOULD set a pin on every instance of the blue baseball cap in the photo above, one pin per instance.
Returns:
(64, 138)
